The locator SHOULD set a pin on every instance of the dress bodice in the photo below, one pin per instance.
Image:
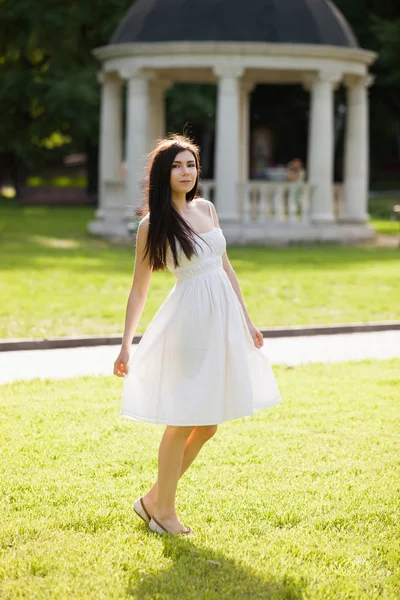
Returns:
(210, 248)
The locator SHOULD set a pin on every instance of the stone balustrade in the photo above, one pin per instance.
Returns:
(277, 201)
(207, 189)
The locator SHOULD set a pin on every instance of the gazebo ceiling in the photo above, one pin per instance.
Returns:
(274, 21)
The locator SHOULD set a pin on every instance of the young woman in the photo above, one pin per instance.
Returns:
(199, 362)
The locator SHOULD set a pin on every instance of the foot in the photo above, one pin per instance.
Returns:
(169, 525)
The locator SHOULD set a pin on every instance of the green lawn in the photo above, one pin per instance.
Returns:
(381, 211)
(56, 280)
(386, 227)
(299, 501)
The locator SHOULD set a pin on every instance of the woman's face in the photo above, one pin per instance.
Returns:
(183, 172)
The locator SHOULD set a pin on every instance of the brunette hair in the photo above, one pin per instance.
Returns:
(166, 225)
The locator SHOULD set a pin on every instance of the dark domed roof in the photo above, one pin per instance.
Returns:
(275, 21)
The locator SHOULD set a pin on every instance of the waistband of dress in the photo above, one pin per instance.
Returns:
(205, 266)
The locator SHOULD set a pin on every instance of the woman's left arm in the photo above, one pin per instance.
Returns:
(229, 270)
(255, 333)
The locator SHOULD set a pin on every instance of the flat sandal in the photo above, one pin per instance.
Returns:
(141, 510)
(156, 527)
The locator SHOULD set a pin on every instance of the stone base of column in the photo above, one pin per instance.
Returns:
(356, 220)
(110, 228)
(321, 218)
(114, 217)
(274, 234)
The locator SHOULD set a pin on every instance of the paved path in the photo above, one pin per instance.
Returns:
(65, 363)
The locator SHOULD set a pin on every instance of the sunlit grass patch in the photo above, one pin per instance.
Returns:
(58, 280)
(299, 501)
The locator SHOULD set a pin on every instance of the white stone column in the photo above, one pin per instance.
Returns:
(158, 87)
(110, 150)
(321, 147)
(246, 87)
(137, 137)
(110, 155)
(356, 159)
(227, 169)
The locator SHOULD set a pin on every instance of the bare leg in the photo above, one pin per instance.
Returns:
(170, 457)
(194, 442)
(199, 436)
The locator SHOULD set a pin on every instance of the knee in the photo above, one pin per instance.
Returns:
(206, 432)
(178, 432)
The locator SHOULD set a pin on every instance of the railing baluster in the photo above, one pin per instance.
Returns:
(207, 189)
(278, 203)
(247, 203)
(255, 203)
(305, 205)
(264, 207)
(339, 208)
(293, 193)
(268, 201)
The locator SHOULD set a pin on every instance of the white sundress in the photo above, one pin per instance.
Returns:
(196, 363)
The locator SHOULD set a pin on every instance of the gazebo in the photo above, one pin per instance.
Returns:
(237, 45)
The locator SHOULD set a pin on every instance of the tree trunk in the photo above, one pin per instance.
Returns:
(12, 171)
(92, 170)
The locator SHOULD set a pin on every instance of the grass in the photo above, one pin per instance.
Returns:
(59, 281)
(381, 210)
(299, 501)
(381, 207)
(386, 227)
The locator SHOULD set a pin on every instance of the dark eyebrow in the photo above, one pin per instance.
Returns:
(178, 162)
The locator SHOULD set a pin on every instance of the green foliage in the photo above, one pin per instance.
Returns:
(377, 26)
(381, 207)
(193, 103)
(48, 71)
(388, 33)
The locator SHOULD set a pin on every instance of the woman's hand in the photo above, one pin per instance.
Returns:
(256, 335)
(121, 364)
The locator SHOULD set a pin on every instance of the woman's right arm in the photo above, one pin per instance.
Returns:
(137, 298)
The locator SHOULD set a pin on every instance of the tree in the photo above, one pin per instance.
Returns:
(50, 96)
(377, 27)
(48, 76)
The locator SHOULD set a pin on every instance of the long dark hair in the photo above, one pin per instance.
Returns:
(166, 225)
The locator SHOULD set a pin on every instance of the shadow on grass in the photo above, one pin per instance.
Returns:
(94, 254)
(195, 573)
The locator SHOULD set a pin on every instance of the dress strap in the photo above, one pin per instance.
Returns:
(211, 213)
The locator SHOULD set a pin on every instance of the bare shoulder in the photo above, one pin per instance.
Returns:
(142, 232)
(142, 256)
(203, 203)
(144, 224)
(208, 207)
(146, 220)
